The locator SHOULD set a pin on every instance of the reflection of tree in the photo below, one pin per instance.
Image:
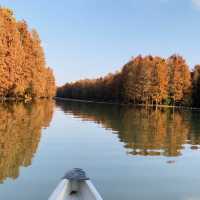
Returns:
(154, 132)
(20, 130)
(194, 136)
(144, 132)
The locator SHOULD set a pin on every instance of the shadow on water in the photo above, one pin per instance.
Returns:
(145, 132)
(20, 132)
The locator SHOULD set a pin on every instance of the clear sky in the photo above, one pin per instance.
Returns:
(89, 38)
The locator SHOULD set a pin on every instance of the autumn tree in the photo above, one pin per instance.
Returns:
(107, 88)
(11, 55)
(179, 80)
(130, 79)
(143, 80)
(159, 80)
(196, 86)
(23, 71)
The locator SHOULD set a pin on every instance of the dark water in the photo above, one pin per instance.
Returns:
(129, 153)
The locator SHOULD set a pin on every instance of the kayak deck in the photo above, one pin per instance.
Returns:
(75, 186)
(74, 197)
(86, 192)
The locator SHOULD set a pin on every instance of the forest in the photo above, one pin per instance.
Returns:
(149, 80)
(23, 70)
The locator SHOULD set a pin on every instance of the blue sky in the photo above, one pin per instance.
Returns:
(89, 38)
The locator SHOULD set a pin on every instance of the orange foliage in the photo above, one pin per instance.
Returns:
(93, 89)
(143, 80)
(23, 71)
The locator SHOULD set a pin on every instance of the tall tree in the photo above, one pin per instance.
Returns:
(179, 79)
(159, 80)
(23, 71)
(196, 86)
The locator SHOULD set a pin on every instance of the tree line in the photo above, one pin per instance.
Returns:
(143, 80)
(23, 71)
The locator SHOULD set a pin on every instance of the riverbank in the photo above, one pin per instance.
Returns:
(124, 104)
(87, 101)
(13, 99)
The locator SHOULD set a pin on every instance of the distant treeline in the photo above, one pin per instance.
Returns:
(143, 80)
(23, 71)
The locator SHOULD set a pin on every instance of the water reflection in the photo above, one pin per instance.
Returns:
(143, 132)
(20, 131)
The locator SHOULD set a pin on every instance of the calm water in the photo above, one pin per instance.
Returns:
(129, 153)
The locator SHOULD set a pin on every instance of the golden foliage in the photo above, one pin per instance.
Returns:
(107, 88)
(143, 80)
(23, 71)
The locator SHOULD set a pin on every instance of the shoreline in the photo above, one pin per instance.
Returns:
(21, 99)
(125, 104)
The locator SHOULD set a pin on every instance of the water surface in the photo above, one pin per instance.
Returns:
(129, 153)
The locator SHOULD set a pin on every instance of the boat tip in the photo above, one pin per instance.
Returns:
(76, 174)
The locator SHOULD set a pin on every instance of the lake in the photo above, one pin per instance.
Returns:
(128, 152)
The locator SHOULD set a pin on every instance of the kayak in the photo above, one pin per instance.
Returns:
(75, 185)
